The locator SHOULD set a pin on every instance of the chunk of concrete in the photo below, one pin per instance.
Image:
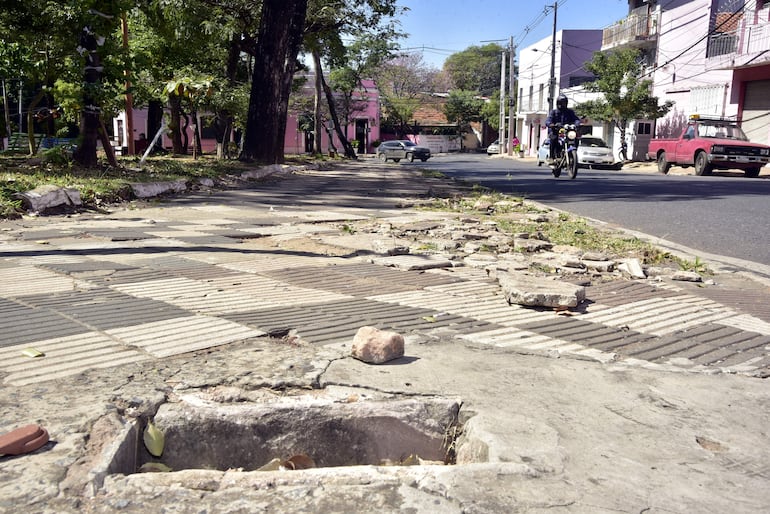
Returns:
(376, 346)
(532, 291)
(49, 196)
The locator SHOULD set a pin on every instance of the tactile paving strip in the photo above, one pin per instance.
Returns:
(23, 324)
(103, 308)
(339, 321)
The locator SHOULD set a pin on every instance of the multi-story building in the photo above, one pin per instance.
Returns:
(573, 49)
(710, 57)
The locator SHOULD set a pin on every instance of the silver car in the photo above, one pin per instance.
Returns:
(593, 152)
(402, 149)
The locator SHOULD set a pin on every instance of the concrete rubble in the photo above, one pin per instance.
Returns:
(525, 376)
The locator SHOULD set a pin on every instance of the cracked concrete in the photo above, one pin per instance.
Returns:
(541, 428)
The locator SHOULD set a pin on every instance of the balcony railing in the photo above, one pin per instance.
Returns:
(749, 40)
(640, 25)
(722, 43)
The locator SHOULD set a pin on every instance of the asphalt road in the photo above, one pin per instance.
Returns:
(724, 214)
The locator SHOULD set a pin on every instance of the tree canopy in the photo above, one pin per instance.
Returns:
(72, 54)
(477, 68)
(626, 94)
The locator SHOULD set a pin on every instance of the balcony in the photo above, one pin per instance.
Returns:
(746, 45)
(638, 29)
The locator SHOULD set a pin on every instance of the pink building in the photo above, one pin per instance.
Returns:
(362, 127)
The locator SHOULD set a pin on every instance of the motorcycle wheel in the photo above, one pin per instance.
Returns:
(573, 164)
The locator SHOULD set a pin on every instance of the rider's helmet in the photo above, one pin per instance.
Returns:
(561, 102)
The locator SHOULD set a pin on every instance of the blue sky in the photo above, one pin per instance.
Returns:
(442, 27)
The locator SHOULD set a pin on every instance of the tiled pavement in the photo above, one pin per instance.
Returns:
(100, 292)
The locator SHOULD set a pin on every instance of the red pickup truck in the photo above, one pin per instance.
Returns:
(708, 144)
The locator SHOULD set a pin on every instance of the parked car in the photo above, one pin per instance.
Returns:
(708, 144)
(543, 152)
(494, 148)
(402, 149)
(593, 152)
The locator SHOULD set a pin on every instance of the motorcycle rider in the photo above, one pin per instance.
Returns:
(560, 116)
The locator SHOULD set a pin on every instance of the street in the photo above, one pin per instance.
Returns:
(723, 215)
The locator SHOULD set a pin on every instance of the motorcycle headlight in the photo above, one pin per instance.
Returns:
(717, 149)
(572, 134)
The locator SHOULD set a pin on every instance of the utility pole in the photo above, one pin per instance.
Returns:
(511, 95)
(552, 81)
(501, 130)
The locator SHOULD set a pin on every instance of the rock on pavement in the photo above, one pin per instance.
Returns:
(377, 346)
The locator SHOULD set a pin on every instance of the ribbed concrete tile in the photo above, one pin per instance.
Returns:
(747, 322)
(182, 335)
(190, 295)
(65, 356)
(27, 280)
(103, 308)
(387, 274)
(22, 324)
(69, 268)
(414, 262)
(622, 292)
(338, 322)
(256, 263)
(490, 308)
(576, 330)
(660, 316)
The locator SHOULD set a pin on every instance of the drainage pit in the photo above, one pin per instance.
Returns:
(324, 433)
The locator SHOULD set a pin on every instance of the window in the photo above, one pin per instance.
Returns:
(531, 89)
(540, 98)
(643, 128)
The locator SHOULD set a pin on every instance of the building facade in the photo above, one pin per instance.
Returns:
(573, 49)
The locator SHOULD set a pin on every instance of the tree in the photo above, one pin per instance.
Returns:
(477, 68)
(278, 43)
(626, 95)
(463, 107)
(370, 25)
(402, 82)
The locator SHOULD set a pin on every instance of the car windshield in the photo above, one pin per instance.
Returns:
(721, 131)
(592, 141)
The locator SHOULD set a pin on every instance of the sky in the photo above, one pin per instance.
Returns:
(439, 28)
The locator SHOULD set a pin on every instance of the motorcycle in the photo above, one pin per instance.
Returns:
(566, 157)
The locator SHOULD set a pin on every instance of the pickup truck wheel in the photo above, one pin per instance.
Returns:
(752, 172)
(702, 166)
(663, 164)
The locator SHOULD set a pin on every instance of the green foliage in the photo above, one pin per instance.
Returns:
(626, 94)
(477, 68)
(463, 107)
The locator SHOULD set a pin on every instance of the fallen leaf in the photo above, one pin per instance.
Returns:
(429, 319)
(297, 462)
(154, 467)
(273, 465)
(32, 352)
(154, 439)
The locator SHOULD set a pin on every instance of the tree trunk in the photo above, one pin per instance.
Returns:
(85, 154)
(178, 146)
(349, 152)
(31, 140)
(279, 40)
(318, 121)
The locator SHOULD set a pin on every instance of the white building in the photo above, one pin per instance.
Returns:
(573, 49)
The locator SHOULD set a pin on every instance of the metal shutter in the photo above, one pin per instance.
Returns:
(756, 111)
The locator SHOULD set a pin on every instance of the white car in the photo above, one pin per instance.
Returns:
(593, 152)
(494, 148)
